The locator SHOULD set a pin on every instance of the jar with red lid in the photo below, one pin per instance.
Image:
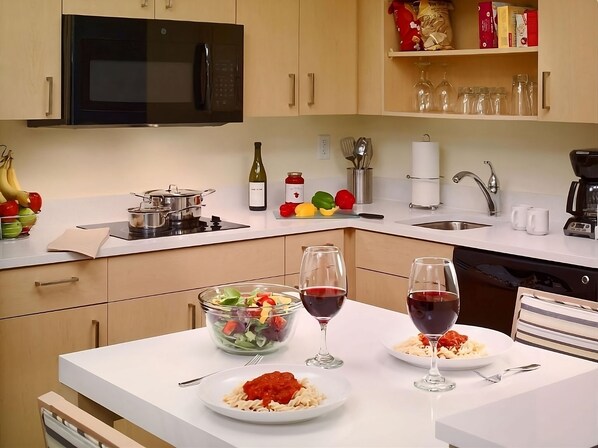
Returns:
(293, 187)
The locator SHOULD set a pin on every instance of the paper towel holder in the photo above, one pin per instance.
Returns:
(426, 207)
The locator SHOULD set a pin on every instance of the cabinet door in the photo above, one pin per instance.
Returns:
(218, 11)
(153, 316)
(137, 9)
(568, 61)
(30, 76)
(295, 246)
(328, 57)
(271, 56)
(29, 350)
(383, 290)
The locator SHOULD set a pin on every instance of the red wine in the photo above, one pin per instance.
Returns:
(433, 312)
(323, 302)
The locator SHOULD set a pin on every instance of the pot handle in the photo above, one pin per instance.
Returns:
(182, 209)
(207, 192)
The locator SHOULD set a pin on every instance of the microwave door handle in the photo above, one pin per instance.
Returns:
(201, 67)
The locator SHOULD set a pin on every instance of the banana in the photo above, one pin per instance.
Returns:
(2, 198)
(11, 175)
(23, 198)
(6, 188)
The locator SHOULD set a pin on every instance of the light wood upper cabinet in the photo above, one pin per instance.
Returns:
(220, 11)
(300, 57)
(568, 61)
(30, 72)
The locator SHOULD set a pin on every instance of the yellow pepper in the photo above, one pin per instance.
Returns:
(329, 212)
(305, 209)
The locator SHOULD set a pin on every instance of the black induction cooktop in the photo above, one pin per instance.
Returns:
(122, 230)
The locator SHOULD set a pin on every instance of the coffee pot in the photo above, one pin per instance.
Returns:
(582, 200)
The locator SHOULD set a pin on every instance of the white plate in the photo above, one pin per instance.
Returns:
(496, 343)
(334, 386)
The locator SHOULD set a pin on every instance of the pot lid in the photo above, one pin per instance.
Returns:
(173, 191)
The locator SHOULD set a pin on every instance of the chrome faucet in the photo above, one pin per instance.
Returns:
(490, 192)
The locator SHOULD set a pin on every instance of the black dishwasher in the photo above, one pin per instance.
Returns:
(488, 283)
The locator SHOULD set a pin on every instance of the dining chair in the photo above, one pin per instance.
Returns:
(66, 425)
(556, 322)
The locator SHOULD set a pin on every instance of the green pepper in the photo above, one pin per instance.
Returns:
(324, 200)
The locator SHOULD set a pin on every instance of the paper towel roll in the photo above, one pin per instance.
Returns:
(424, 160)
(425, 193)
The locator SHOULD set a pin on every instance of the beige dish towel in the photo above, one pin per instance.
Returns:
(82, 241)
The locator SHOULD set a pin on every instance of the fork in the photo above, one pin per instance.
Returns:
(253, 361)
(498, 377)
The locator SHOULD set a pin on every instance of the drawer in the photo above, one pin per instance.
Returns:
(394, 254)
(51, 287)
(296, 244)
(176, 270)
(383, 290)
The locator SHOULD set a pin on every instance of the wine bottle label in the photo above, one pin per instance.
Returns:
(294, 193)
(257, 194)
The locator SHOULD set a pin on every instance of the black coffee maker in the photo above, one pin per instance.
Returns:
(582, 201)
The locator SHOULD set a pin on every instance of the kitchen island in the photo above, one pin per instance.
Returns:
(138, 381)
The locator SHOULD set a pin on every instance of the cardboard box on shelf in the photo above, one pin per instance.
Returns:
(527, 29)
(506, 24)
(487, 21)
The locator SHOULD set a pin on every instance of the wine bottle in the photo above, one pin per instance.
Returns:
(258, 183)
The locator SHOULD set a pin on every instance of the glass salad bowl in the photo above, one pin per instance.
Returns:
(250, 318)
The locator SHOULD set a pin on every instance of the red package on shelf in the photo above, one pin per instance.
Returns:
(408, 26)
(487, 21)
(532, 27)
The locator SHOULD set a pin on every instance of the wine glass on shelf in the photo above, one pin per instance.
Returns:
(444, 93)
(323, 288)
(423, 90)
(433, 306)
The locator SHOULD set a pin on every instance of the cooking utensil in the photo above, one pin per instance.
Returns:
(348, 147)
(498, 377)
(369, 153)
(151, 218)
(253, 361)
(363, 215)
(359, 151)
(185, 204)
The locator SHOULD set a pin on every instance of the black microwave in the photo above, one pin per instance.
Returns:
(137, 72)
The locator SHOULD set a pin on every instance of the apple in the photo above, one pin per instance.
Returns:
(9, 208)
(35, 201)
(11, 229)
(27, 217)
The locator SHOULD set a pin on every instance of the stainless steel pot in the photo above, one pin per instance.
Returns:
(149, 218)
(184, 204)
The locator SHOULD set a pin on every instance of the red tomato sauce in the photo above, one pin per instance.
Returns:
(451, 339)
(274, 386)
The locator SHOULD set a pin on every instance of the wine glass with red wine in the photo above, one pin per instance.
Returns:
(323, 288)
(433, 306)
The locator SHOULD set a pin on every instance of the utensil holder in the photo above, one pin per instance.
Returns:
(359, 182)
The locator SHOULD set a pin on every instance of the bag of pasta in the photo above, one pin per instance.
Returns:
(435, 22)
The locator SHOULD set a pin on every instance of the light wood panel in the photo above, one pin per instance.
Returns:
(569, 53)
(57, 290)
(29, 350)
(383, 290)
(139, 9)
(271, 67)
(29, 54)
(218, 11)
(296, 244)
(184, 269)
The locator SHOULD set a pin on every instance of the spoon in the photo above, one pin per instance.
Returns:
(360, 149)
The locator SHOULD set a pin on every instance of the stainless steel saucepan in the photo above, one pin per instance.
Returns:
(184, 204)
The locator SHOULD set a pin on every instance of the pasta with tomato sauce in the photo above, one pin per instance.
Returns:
(451, 345)
(274, 392)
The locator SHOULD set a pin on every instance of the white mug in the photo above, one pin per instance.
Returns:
(537, 221)
(519, 216)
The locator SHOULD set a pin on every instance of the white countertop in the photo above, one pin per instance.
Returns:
(138, 381)
(57, 216)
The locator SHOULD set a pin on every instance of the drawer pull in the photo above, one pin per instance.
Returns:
(312, 89)
(144, 3)
(96, 333)
(292, 90)
(168, 4)
(545, 103)
(58, 282)
(303, 248)
(193, 320)
(50, 81)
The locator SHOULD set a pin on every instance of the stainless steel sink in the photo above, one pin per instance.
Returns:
(451, 225)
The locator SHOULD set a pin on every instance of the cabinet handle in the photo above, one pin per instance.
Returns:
(292, 90)
(545, 76)
(50, 81)
(144, 3)
(96, 333)
(58, 282)
(312, 89)
(192, 311)
(168, 4)
(325, 244)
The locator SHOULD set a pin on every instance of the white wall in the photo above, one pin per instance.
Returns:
(65, 163)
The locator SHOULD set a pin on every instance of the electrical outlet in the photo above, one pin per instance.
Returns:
(323, 147)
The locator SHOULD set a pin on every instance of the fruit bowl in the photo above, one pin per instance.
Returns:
(17, 226)
(250, 318)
